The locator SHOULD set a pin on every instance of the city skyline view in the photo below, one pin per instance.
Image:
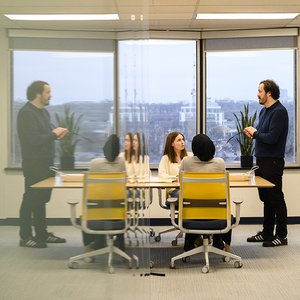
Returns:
(158, 77)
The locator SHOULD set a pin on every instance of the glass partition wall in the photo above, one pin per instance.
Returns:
(105, 88)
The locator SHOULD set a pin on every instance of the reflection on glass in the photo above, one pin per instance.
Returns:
(63, 71)
(145, 160)
(128, 155)
(137, 157)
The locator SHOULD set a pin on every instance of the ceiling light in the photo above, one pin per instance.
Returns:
(245, 16)
(69, 17)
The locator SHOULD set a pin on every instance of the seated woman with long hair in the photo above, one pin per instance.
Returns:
(174, 153)
(128, 155)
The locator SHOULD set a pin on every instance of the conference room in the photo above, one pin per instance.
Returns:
(158, 67)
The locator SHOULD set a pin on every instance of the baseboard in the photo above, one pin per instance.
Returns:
(50, 222)
(243, 221)
(153, 221)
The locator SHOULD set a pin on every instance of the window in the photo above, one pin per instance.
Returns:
(82, 80)
(169, 96)
(232, 79)
(156, 90)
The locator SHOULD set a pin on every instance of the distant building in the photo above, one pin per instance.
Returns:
(214, 113)
(129, 114)
(186, 113)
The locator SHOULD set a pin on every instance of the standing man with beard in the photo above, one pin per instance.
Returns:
(37, 138)
(270, 135)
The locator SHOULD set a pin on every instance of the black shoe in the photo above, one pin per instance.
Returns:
(188, 246)
(31, 243)
(276, 241)
(218, 243)
(258, 238)
(51, 238)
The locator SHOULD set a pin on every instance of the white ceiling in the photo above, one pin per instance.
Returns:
(157, 14)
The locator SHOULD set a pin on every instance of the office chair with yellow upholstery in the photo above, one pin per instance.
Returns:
(104, 212)
(204, 208)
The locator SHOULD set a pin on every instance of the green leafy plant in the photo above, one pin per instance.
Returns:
(246, 143)
(70, 140)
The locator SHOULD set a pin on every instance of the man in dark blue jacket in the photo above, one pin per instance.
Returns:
(37, 138)
(270, 139)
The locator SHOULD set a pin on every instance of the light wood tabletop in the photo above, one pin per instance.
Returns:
(57, 182)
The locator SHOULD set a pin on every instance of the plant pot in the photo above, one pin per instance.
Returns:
(67, 162)
(246, 161)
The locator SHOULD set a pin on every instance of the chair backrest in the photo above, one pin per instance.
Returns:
(204, 196)
(104, 196)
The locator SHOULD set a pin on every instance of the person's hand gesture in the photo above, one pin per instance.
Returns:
(249, 131)
(60, 132)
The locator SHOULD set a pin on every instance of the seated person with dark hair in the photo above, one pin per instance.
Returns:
(111, 163)
(203, 161)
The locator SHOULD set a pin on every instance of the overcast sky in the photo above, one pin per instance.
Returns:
(159, 71)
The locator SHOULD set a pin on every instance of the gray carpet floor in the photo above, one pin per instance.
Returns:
(267, 273)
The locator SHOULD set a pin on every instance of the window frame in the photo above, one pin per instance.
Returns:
(200, 38)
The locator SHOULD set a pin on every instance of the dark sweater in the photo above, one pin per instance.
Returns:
(272, 131)
(35, 132)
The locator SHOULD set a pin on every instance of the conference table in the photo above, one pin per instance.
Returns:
(153, 182)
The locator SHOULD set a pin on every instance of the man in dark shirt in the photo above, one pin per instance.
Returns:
(270, 135)
(37, 138)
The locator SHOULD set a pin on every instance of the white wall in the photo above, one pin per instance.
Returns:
(12, 183)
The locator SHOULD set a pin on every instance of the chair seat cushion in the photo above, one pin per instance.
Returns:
(206, 224)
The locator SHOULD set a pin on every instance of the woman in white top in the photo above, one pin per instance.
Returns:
(131, 147)
(128, 155)
(137, 155)
(174, 153)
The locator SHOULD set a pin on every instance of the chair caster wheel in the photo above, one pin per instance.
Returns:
(151, 264)
(205, 269)
(157, 238)
(111, 270)
(238, 264)
(174, 243)
(186, 259)
(88, 259)
(152, 233)
(226, 258)
(73, 265)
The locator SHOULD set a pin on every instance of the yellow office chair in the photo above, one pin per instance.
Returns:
(104, 211)
(204, 208)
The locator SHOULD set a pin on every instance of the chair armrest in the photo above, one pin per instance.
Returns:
(171, 200)
(73, 204)
(73, 201)
(172, 211)
(237, 203)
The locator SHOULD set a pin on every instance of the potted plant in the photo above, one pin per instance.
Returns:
(68, 143)
(246, 143)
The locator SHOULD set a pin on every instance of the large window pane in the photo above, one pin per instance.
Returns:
(82, 80)
(172, 77)
(232, 79)
(170, 69)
